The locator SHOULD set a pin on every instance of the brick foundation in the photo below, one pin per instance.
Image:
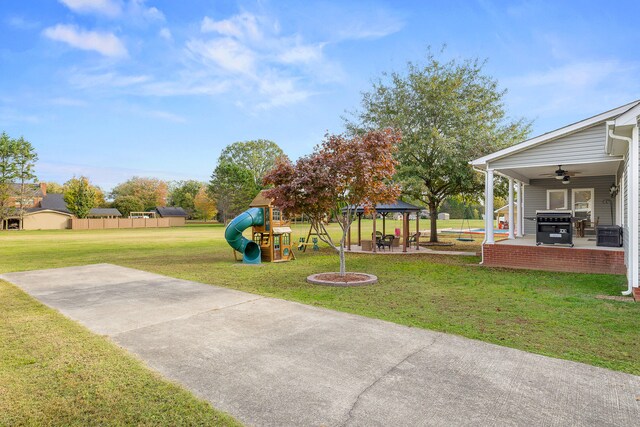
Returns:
(636, 294)
(554, 258)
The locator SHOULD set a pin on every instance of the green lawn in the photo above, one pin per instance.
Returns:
(55, 372)
(555, 314)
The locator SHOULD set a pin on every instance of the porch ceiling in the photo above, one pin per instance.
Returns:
(544, 171)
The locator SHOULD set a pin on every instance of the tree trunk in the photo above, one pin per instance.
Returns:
(433, 217)
(343, 267)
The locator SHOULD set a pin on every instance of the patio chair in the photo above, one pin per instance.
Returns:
(387, 241)
(589, 227)
(413, 239)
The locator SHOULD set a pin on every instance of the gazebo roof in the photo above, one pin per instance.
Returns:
(399, 207)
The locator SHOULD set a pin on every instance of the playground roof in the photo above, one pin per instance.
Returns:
(399, 207)
(260, 200)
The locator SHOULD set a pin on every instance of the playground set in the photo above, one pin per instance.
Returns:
(271, 233)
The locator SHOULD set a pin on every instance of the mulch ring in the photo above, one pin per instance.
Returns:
(349, 279)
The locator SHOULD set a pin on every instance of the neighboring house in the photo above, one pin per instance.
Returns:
(34, 195)
(177, 216)
(589, 169)
(50, 212)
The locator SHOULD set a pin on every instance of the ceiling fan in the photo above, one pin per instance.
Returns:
(562, 174)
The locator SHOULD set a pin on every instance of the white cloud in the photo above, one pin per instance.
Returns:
(111, 8)
(304, 54)
(107, 80)
(165, 33)
(243, 26)
(135, 10)
(225, 53)
(578, 74)
(249, 53)
(21, 23)
(573, 90)
(106, 44)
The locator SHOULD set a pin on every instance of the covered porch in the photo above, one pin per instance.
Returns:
(575, 171)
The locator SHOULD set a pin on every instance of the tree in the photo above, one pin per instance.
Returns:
(233, 187)
(258, 157)
(80, 196)
(54, 188)
(149, 192)
(449, 113)
(205, 206)
(25, 159)
(8, 173)
(341, 173)
(128, 204)
(183, 194)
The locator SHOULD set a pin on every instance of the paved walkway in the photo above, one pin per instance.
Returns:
(273, 362)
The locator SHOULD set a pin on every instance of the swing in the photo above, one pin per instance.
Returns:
(465, 239)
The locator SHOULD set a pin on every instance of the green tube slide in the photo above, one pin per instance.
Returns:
(249, 249)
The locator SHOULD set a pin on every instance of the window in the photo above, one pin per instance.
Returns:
(583, 203)
(556, 199)
(285, 239)
(276, 215)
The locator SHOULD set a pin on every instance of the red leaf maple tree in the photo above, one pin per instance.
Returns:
(341, 174)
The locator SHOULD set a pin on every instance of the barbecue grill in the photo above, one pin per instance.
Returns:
(554, 228)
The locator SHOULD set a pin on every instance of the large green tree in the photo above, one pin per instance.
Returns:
(54, 188)
(183, 194)
(17, 176)
(80, 196)
(128, 204)
(257, 156)
(233, 187)
(25, 160)
(149, 192)
(449, 112)
(8, 173)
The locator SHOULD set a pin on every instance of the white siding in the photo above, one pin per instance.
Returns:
(581, 147)
(535, 197)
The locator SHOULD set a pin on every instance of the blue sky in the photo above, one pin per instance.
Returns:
(116, 88)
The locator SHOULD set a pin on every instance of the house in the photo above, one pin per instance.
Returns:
(177, 216)
(50, 212)
(589, 170)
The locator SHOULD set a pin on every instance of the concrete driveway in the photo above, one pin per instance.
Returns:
(273, 362)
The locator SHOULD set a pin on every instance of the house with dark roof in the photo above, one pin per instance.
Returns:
(50, 212)
(177, 216)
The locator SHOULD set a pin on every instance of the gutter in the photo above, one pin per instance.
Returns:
(612, 135)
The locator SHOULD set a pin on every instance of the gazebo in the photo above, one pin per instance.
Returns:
(401, 207)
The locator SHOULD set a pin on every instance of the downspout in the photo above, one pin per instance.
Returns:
(485, 195)
(612, 135)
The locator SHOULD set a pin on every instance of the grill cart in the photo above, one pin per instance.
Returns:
(554, 228)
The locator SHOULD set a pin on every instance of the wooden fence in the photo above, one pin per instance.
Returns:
(104, 223)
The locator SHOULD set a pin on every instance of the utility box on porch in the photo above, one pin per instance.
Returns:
(609, 235)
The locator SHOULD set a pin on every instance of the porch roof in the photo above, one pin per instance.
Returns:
(558, 133)
(582, 148)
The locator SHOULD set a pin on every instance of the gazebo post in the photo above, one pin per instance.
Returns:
(417, 231)
(405, 234)
(359, 230)
(373, 235)
(384, 224)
